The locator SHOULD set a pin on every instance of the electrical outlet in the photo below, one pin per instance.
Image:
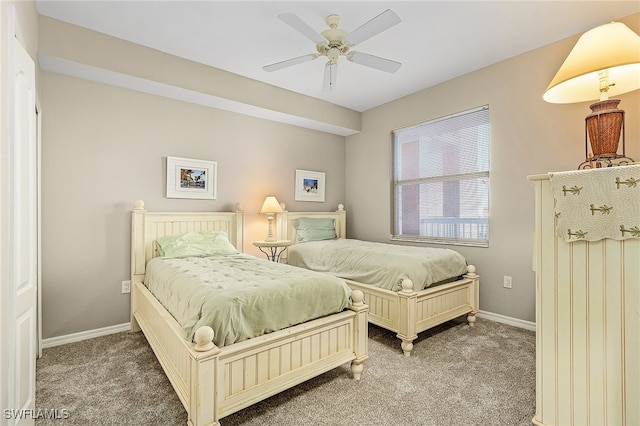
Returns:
(126, 286)
(507, 282)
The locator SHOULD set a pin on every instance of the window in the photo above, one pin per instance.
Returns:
(441, 180)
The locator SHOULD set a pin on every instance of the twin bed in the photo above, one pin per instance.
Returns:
(223, 358)
(255, 347)
(401, 296)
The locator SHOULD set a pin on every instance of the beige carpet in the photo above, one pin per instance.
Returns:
(457, 375)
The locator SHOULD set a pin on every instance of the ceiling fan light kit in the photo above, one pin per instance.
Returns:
(335, 42)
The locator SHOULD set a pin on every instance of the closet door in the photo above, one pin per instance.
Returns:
(23, 237)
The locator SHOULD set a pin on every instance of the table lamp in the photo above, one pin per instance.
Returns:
(605, 61)
(269, 207)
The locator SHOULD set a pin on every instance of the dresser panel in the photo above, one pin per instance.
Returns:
(588, 325)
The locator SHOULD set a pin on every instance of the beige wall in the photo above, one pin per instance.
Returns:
(105, 147)
(528, 136)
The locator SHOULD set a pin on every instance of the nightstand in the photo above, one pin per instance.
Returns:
(273, 249)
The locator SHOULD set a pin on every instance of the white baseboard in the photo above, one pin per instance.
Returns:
(90, 334)
(84, 335)
(508, 320)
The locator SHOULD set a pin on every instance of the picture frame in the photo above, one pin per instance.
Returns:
(190, 178)
(309, 186)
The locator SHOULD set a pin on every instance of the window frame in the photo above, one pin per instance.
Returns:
(396, 184)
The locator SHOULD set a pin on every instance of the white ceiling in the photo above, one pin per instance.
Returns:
(436, 40)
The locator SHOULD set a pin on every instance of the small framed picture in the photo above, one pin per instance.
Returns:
(188, 178)
(309, 186)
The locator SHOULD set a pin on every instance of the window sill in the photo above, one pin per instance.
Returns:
(445, 241)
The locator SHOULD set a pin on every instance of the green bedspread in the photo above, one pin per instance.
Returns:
(241, 296)
(380, 264)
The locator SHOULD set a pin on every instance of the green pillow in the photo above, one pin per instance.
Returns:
(204, 243)
(314, 229)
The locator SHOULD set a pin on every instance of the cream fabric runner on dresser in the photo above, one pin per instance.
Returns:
(597, 203)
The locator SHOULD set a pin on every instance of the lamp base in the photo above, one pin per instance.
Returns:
(597, 163)
(604, 127)
(270, 236)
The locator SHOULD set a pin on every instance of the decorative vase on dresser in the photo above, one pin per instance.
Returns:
(587, 299)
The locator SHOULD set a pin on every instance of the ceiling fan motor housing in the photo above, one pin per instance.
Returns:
(335, 36)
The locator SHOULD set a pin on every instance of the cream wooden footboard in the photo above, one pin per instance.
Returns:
(214, 382)
(406, 312)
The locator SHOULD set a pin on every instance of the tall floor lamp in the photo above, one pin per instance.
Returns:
(604, 62)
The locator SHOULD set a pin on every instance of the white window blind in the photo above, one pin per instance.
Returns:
(441, 180)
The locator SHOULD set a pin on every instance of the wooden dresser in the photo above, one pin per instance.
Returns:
(588, 325)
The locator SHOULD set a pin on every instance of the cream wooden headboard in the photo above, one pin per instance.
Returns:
(147, 226)
(285, 222)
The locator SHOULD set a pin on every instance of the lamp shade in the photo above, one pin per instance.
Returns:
(271, 205)
(613, 47)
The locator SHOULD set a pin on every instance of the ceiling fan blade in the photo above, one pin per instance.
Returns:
(376, 62)
(385, 20)
(330, 74)
(302, 27)
(290, 62)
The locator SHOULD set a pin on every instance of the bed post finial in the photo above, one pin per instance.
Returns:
(407, 285)
(138, 205)
(203, 339)
(340, 207)
(471, 271)
(357, 297)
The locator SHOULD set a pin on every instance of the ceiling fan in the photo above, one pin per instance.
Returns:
(335, 42)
